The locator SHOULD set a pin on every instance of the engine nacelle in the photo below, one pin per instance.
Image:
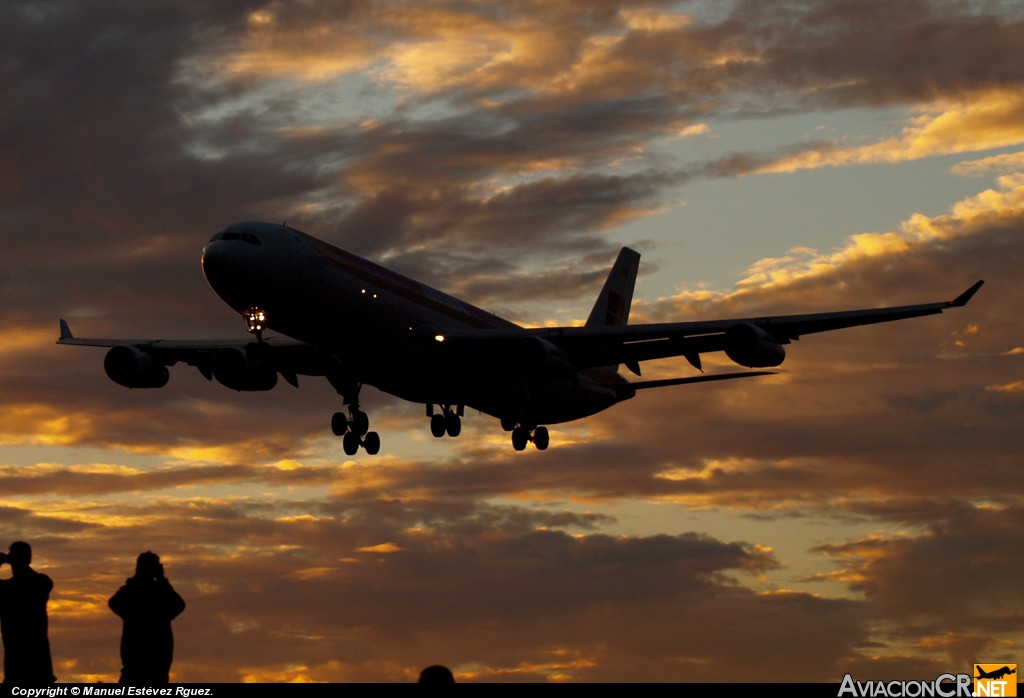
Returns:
(134, 368)
(543, 359)
(236, 368)
(749, 345)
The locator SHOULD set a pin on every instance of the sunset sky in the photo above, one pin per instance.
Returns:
(862, 511)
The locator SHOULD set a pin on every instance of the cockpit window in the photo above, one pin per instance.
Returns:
(248, 238)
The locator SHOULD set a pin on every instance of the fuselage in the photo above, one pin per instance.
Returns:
(388, 330)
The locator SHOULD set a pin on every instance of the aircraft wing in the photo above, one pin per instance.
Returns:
(631, 344)
(289, 356)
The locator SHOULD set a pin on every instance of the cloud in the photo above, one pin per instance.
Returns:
(1005, 162)
(467, 145)
(841, 54)
(560, 124)
(443, 583)
(281, 39)
(500, 53)
(202, 423)
(982, 219)
(966, 558)
(980, 121)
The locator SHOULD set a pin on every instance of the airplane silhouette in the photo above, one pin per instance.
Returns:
(995, 673)
(355, 322)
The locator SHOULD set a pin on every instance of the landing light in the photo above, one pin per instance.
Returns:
(438, 338)
(255, 319)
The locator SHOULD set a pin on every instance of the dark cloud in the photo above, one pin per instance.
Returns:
(207, 147)
(813, 431)
(86, 482)
(920, 51)
(966, 559)
(364, 585)
(531, 219)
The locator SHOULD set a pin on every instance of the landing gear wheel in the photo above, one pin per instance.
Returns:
(339, 423)
(360, 423)
(508, 423)
(452, 424)
(350, 443)
(540, 438)
(371, 442)
(437, 425)
(519, 438)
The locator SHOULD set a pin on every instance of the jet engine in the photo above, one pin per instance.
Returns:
(134, 368)
(544, 359)
(749, 345)
(238, 369)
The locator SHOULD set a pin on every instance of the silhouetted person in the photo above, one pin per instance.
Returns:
(437, 675)
(23, 620)
(147, 603)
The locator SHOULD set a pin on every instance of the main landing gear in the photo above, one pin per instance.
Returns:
(523, 434)
(354, 429)
(448, 421)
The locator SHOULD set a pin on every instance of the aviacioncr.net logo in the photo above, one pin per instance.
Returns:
(945, 686)
(998, 680)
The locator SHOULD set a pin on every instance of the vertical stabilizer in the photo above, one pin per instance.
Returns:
(612, 305)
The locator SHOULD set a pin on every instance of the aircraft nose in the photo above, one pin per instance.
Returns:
(221, 265)
(212, 260)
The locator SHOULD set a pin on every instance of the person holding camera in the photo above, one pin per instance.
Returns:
(23, 621)
(147, 603)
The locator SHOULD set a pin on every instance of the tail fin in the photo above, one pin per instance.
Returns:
(612, 305)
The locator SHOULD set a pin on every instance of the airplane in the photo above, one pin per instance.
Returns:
(996, 674)
(357, 323)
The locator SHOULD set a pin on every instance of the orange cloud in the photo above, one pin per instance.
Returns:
(21, 339)
(41, 424)
(966, 217)
(318, 50)
(300, 567)
(980, 121)
(1006, 162)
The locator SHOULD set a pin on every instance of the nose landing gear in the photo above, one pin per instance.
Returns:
(255, 321)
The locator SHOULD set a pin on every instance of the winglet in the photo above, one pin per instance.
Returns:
(961, 300)
(65, 331)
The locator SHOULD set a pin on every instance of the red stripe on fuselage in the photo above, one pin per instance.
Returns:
(428, 297)
(404, 287)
